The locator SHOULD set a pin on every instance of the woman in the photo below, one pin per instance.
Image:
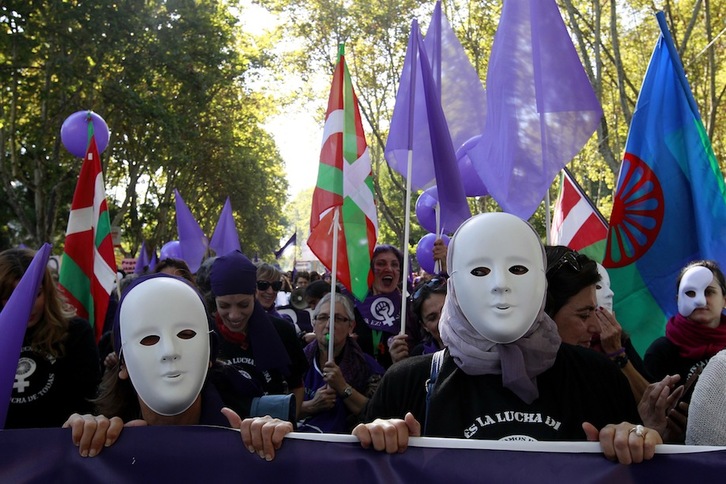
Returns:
(698, 331)
(573, 281)
(58, 370)
(378, 317)
(428, 301)
(504, 373)
(269, 283)
(336, 391)
(175, 267)
(261, 347)
(166, 373)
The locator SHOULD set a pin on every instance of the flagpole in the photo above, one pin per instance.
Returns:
(547, 217)
(437, 211)
(677, 63)
(333, 282)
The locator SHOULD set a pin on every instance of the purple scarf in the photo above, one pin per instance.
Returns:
(518, 362)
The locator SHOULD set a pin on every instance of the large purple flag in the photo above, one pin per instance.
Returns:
(142, 261)
(192, 240)
(461, 94)
(426, 132)
(225, 238)
(541, 108)
(13, 322)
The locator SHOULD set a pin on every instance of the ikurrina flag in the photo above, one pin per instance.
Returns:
(88, 270)
(345, 183)
(577, 223)
(670, 201)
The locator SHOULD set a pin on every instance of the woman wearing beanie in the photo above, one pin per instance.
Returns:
(263, 348)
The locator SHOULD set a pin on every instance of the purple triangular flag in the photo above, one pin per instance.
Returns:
(13, 323)
(462, 98)
(541, 108)
(142, 261)
(225, 238)
(192, 240)
(454, 208)
(154, 260)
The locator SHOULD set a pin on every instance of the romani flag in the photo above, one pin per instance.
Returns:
(670, 200)
(345, 183)
(88, 273)
(577, 223)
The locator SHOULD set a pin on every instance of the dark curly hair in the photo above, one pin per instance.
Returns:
(568, 273)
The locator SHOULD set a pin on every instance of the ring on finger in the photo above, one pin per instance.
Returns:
(638, 430)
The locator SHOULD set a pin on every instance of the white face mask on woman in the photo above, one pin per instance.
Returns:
(165, 343)
(692, 289)
(602, 289)
(498, 274)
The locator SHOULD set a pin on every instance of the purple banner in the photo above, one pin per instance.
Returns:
(381, 312)
(208, 454)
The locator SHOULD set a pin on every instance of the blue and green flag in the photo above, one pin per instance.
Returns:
(670, 201)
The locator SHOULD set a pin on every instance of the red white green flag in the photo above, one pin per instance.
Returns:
(88, 273)
(577, 223)
(345, 183)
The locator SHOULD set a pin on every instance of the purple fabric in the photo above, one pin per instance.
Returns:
(13, 323)
(541, 108)
(154, 260)
(191, 237)
(225, 238)
(462, 98)
(233, 273)
(142, 261)
(381, 312)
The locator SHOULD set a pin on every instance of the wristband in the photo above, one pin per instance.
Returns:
(616, 353)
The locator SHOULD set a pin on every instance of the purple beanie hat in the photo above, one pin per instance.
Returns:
(233, 273)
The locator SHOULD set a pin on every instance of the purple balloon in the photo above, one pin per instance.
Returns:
(171, 250)
(473, 186)
(425, 252)
(426, 209)
(74, 133)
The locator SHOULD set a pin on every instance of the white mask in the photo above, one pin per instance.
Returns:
(694, 281)
(604, 293)
(498, 274)
(165, 343)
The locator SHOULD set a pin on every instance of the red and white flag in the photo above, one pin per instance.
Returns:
(577, 223)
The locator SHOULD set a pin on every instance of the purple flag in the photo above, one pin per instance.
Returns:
(291, 241)
(154, 260)
(13, 323)
(192, 240)
(142, 261)
(461, 95)
(541, 108)
(430, 134)
(225, 238)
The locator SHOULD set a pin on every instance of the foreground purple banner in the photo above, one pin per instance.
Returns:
(206, 454)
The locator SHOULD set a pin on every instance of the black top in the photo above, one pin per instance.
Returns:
(270, 381)
(662, 358)
(48, 390)
(581, 386)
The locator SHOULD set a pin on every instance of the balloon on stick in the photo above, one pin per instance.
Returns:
(426, 209)
(425, 252)
(171, 250)
(74, 132)
(473, 186)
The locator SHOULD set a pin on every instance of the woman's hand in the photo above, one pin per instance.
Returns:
(390, 435)
(91, 433)
(625, 443)
(658, 401)
(398, 347)
(260, 435)
(334, 377)
(323, 400)
(611, 333)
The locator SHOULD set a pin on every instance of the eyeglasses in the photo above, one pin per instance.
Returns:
(263, 285)
(569, 259)
(339, 319)
(432, 285)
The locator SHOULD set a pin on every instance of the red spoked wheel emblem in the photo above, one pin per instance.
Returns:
(637, 213)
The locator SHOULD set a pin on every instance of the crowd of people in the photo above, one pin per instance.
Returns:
(512, 340)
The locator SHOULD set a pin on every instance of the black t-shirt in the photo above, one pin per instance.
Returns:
(581, 386)
(48, 390)
(272, 381)
(662, 358)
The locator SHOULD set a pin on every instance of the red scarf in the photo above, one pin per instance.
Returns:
(694, 340)
(231, 336)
